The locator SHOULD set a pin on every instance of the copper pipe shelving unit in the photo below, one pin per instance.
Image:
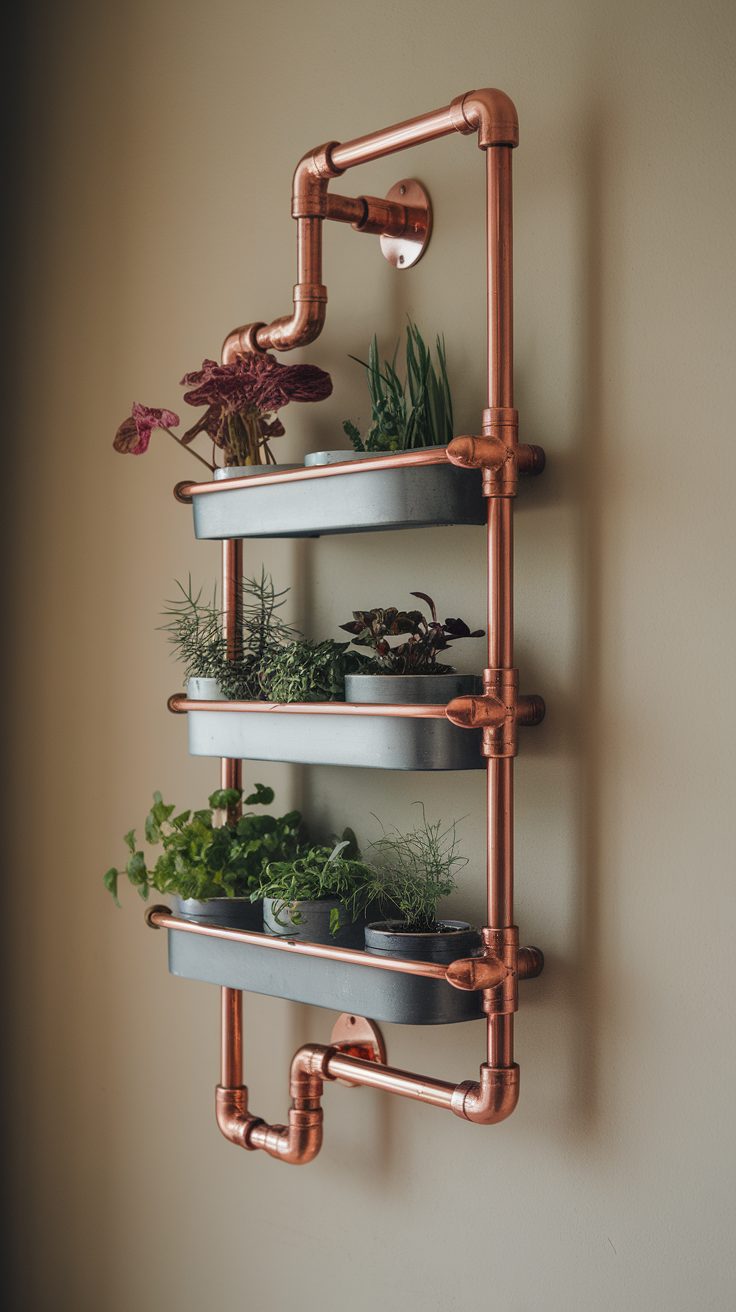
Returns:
(403, 221)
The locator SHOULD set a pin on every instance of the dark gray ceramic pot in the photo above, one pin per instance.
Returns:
(402, 689)
(388, 938)
(230, 912)
(313, 925)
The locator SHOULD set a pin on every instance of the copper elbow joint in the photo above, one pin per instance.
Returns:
(296, 1144)
(311, 179)
(492, 1099)
(240, 341)
(303, 326)
(232, 1116)
(490, 113)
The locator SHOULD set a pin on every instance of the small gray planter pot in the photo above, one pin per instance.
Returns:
(338, 457)
(232, 912)
(401, 689)
(204, 690)
(247, 471)
(313, 924)
(389, 938)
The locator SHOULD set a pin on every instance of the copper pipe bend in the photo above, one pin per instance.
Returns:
(490, 1100)
(490, 113)
(300, 1140)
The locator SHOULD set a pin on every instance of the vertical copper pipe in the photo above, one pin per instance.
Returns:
(499, 235)
(500, 583)
(231, 1042)
(309, 251)
(231, 771)
(500, 778)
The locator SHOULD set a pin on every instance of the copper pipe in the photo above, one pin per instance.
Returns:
(489, 113)
(180, 703)
(461, 975)
(500, 394)
(398, 460)
(489, 1100)
(492, 116)
(231, 769)
(499, 236)
(231, 1042)
(456, 453)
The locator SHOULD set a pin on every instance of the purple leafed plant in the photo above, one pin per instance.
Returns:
(426, 637)
(240, 399)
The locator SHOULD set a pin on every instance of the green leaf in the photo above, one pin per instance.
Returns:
(110, 880)
(223, 798)
(263, 796)
(334, 920)
(129, 840)
(136, 869)
(152, 829)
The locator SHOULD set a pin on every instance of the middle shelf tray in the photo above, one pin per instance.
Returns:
(328, 735)
(320, 982)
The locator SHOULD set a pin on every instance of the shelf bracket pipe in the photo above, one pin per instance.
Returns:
(488, 113)
(490, 1099)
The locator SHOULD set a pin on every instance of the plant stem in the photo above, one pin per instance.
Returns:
(192, 452)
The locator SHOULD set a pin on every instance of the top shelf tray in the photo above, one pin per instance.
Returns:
(322, 500)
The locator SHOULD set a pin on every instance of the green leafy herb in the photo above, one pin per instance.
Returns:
(203, 860)
(321, 872)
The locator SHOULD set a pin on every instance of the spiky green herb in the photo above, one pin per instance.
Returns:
(418, 869)
(404, 415)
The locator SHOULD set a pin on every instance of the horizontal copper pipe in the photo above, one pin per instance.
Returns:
(396, 460)
(423, 1088)
(180, 703)
(162, 918)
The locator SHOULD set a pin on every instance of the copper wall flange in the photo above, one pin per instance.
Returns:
(357, 1036)
(405, 249)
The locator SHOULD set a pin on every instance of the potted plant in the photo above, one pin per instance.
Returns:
(419, 868)
(408, 671)
(323, 894)
(209, 863)
(241, 401)
(416, 412)
(274, 664)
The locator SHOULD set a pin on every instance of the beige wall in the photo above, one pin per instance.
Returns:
(159, 147)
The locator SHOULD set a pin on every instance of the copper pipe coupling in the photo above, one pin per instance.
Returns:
(498, 711)
(497, 453)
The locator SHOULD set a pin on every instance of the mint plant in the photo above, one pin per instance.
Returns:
(203, 859)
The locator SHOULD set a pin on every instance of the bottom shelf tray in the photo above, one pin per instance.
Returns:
(380, 994)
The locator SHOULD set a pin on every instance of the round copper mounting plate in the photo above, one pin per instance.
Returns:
(403, 252)
(357, 1036)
